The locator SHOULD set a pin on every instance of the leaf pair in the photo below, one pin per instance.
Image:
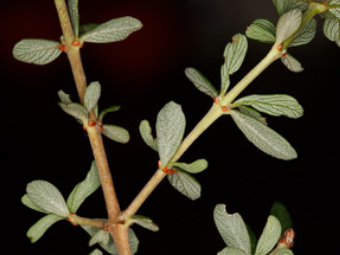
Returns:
(234, 55)
(81, 113)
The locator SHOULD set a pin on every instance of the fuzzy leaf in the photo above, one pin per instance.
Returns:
(231, 251)
(146, 134)
(107, 110)
(280, 212)
(84, 189)
(92, 95)
(263, 137)
(232, 229)
(292, 63)
(274, 105)
(234, 54)
(144, 222)
(334, 11)
(170, 126)
(112, 31)
(40, 227)
(194, 167)
(252, 113)
(48, 197)
(74, 15)
(261, 30)
(36, 51)
(185, 184)
(253, 240)
(76, 110)
(101, 237)
(269, 237)
(96, 252)
(305, 35)
(29, 203)
(116, 133)
(284, 251)
(331, 30)
(64, 98)
(283, 6)
(200, 82)
(288, 24)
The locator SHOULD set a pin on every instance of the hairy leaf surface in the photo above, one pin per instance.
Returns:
(200, 82)
(146, 134)
(41, 226)
(287, 25)
(116, 133)
(269, 237)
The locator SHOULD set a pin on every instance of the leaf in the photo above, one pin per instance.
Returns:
(112, 31)
(292, 63)
(146, 134)
(288, 24)
(195, 167)
(231, 251)
(283, 6)
(200, 82)
(274, 105)
(331, 30)
(101, 237)
(116, 133)
(92, 95)
(96, 252)
(284, 251)
(185, 184)
(253, 240)
(74, 15)
(29, 203)
(48, 197)
(144, 222)
(64, 98)
(36, 51)
(305, 35)
(252, 113)
(107, 110)
(86, 27)
(269, 237)
(280, 212)
(170, 126)
(261, 30)
(234, 54)
(40, 227)
(76, 110)
(263, 137)
(84, 189)
(232, 229)
(334, 11)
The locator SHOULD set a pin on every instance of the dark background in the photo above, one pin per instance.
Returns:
(142, 74)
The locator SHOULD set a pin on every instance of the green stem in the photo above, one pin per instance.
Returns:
(73, 218)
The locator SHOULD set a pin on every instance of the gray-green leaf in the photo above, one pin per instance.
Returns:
(170, 126)
(64, 98)
(252, 113)
(281, 213)
(231, 251)
(288, 24)
(261, 30)
(283, 6)
(76, 110)
(305, 35)
(116, 133)
(107, 110)
(335, 11)
(274, 105)
(284, 251)
(36, 51)
(232, 229)
(84, 189)
(92, 95)
(48, 197)
(263, 137)
(292, 63)
(40, 227)
(101, 237)
(194, 167)
(29, 203)
(200, 82)
(269, 237)
(146, 134)
(96, 252)
(74, 15)
(253, 240)
(331, 30)
(112, 31)
(144, 222)
(86, 27)
(185, 184)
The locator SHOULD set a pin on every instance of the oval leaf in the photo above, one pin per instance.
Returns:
(101, 237)
(331, 30)
(40, 227)
(252, 113)
(232, 229)
(146, 134)
(112, 31)
(283, 6)
(76, 110)
(284, 251)
(96, 252)
(107, 110)
(263, 137)
(195, 167)
(280, 212)
(334, 11)
(231, 251)
(288, 24)
(292, 63)
(185, 184)
(144, 222)
(36, 51)
(74, 15)
(116, 133)
(29, 203)
(86, 27)
(92, 95)
(269, 237)
(170, 126)
(261, 30)
(64, 98)
(48, 197)
(305, 35)
(274, 105)
(84, 189)
(201, 83)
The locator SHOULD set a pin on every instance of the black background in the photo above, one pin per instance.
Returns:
(142, 74)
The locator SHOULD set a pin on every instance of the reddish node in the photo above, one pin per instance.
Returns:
(172, 171)
(101, 128)
(81, 46)
(106, 228)
(75, 43)
(159, 163)
(234, 41)
(283, 55)
(91, 123)
(72, 222)
(216, 100)
(225, 108)
(288, 238)
(62, 47)
(324, 3)
(165, 170)
(84, 127)
(121, 222)
(280, 46)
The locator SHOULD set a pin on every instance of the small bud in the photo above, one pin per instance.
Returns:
(216, 100)
(225, 108)
(280, 46)
(75, 43)
(62, 47)
(91, 123)
(172, 171)
(165, 170)
(101, 128)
